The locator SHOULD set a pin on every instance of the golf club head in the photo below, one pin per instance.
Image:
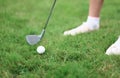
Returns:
(32, 39)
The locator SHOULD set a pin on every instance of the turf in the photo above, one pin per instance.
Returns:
(82, 56)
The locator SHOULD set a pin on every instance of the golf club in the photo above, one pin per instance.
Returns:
(34, 39)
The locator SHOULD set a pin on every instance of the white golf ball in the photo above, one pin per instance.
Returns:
(40, 49)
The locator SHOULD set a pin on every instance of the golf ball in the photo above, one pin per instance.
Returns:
(40, 49)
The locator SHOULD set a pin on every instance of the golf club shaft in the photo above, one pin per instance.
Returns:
(51, 10)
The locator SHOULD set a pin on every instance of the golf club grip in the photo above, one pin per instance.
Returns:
(51, 10)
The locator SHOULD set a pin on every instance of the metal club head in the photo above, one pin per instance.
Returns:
(34, 39)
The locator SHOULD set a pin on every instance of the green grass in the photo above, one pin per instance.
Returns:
(82, 56)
